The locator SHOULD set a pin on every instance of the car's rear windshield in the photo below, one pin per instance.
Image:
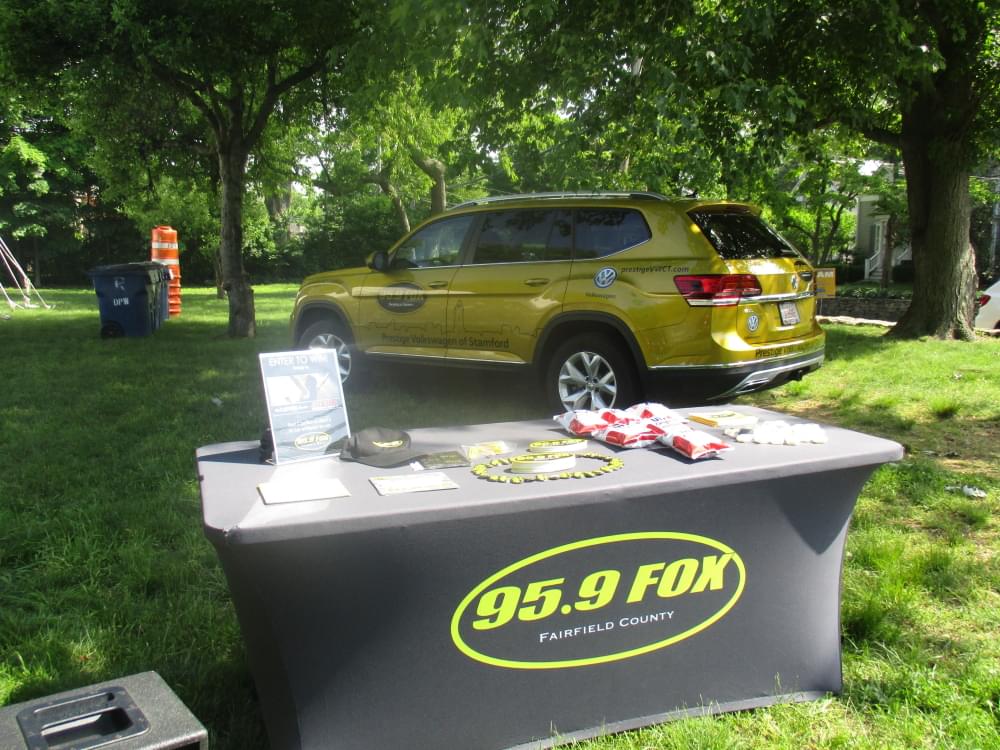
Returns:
(741, 236)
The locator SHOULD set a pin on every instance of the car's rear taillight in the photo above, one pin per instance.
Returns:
(717, 289)
(983, 299)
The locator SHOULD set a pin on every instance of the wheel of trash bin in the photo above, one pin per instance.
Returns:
(112, 330)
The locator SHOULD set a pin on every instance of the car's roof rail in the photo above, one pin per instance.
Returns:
(542, 196)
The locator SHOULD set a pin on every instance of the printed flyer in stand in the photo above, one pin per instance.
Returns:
(305, 403)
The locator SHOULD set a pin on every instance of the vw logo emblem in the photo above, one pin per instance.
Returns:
(605, 277)
(753, 323)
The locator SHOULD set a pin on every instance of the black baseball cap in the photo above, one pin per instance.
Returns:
(379, 446)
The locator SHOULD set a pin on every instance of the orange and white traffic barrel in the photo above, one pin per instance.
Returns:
(165, 251)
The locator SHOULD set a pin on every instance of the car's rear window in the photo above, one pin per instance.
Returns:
(603, 231)
(741, 236)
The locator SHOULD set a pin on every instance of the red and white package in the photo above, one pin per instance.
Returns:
(616, 416)
(631, 434)
(581, 422)
(640, 426)
(657, 412)
(666, 424)
(694, 444)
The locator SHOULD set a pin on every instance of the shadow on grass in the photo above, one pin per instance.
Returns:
(390, 394)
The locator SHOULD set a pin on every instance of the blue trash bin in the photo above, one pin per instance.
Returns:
(126, 298)
(159, 285)
(162, 272)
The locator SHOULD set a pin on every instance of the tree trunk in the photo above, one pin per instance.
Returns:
(278, 203)
(385, 184)
(937, 192)
(816, 237)
(636, 68)
(220, 293)
(434, 169)
(401, 215)
(836, 217)
(890, 241)
(232, 171)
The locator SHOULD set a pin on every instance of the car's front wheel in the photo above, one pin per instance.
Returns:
(329, 334)
(591, 372)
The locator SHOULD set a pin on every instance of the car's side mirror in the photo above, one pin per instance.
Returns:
(379, 261)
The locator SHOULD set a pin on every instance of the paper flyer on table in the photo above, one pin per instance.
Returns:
(287, 491)
(305, 403)
(422, 481)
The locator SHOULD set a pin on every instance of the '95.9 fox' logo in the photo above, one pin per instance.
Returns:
(599, 600)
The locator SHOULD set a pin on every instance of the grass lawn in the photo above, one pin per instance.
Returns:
(105, 571)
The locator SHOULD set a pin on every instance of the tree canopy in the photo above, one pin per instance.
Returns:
(729, 85)
(920, 76)
(231, 64)
(228, 113)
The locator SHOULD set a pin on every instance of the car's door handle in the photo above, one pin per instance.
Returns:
(536, 282)
(437, 284)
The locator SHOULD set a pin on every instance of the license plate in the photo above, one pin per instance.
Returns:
(789, 313)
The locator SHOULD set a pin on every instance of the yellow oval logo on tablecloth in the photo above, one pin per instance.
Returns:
(599, 600)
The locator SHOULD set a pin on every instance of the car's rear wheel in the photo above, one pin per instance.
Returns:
(329, 334)
(591, 372)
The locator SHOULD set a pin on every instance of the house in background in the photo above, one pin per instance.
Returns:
(872, 227)
(870, 236)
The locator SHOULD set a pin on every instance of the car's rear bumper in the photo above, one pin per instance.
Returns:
(724, 381)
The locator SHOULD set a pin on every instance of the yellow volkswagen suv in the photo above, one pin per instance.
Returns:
(608, 296)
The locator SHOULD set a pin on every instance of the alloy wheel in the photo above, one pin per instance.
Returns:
(333, 341)
(587, 381)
